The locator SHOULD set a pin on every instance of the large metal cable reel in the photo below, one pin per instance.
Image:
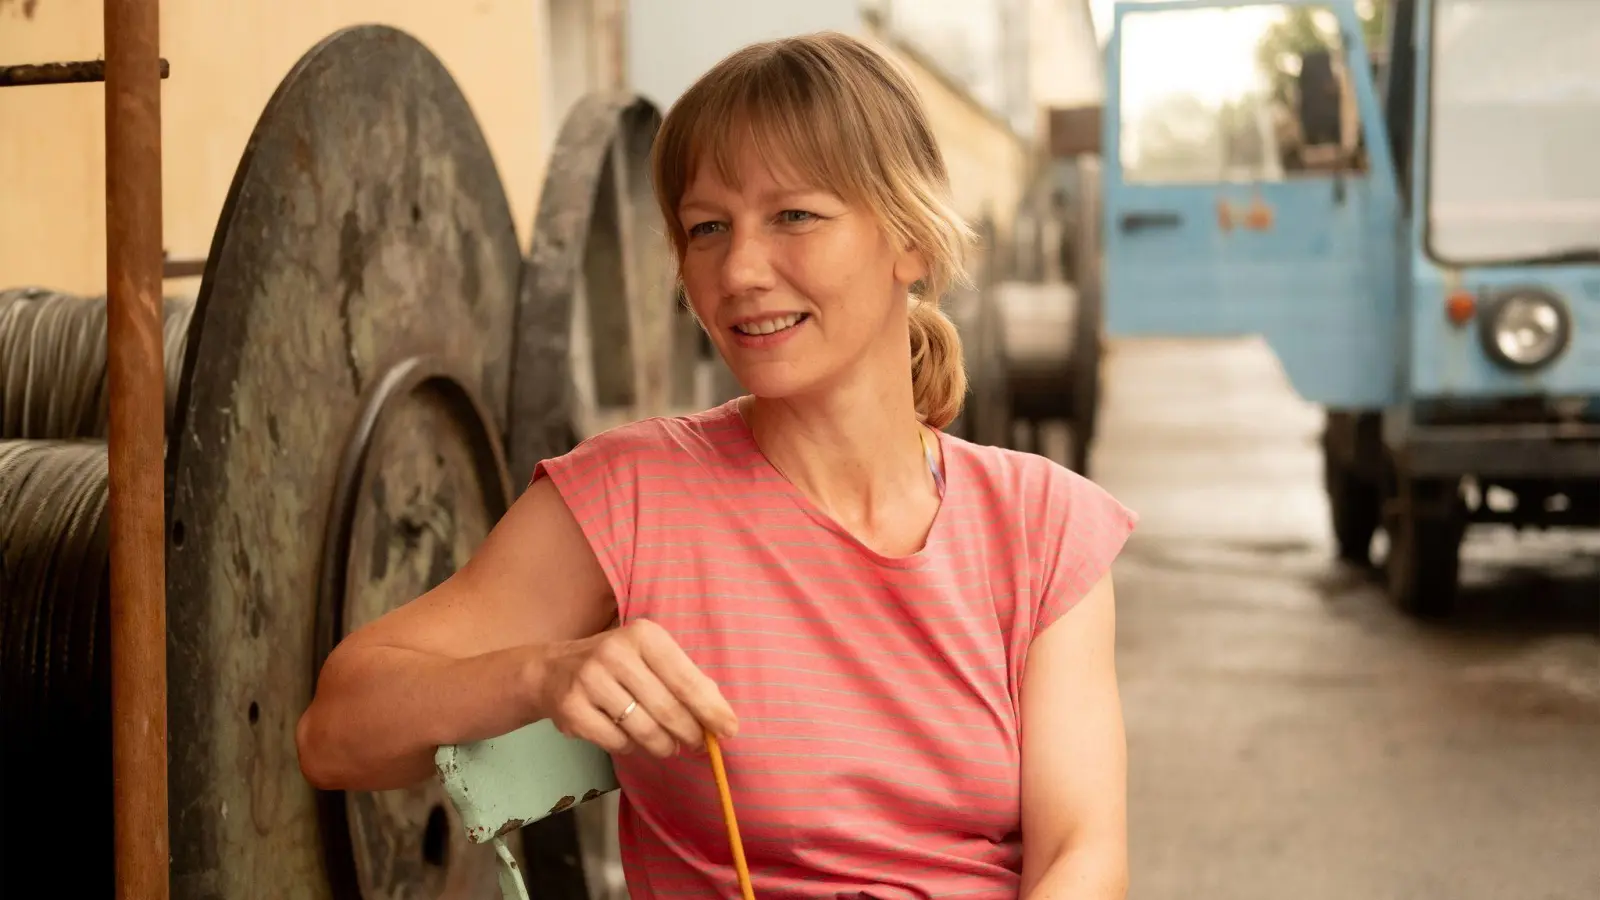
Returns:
(595, 321)
(1052, 322)
(335, 452)
(986, 416)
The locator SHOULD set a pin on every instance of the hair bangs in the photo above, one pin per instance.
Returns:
(789, 113)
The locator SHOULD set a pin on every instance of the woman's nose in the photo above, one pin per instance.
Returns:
(747, 265)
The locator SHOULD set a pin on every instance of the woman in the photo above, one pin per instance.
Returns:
(871, 614)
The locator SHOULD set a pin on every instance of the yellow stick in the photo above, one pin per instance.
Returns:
(727, 816)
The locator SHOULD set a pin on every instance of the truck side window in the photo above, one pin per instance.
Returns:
(1246, 94)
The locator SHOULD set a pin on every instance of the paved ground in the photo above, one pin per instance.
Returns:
(1292, 737)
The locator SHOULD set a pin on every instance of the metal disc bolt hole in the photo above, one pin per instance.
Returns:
(436, 837)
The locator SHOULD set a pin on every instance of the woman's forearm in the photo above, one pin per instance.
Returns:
(381, 712)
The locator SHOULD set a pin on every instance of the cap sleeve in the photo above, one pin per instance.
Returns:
(599, 481)
(1090, 528)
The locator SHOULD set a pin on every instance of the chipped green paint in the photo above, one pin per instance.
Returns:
(503, 783)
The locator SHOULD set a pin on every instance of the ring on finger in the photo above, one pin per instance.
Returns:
(632, 705)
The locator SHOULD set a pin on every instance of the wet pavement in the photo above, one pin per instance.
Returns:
(1291, 735)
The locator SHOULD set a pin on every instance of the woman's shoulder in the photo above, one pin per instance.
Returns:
(1042, 493)
(1004, 470)
(701, 439)
(1072, 528)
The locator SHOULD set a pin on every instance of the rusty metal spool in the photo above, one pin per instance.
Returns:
(595, 322)
(335, 451)
(53, 362)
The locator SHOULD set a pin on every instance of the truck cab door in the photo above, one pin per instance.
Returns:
(1249, 188)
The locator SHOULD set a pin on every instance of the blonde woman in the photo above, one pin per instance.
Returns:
(904, 639)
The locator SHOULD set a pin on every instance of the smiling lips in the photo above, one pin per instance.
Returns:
(768, 331)
(771, 325)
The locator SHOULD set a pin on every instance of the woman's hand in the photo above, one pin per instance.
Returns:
(632, 687)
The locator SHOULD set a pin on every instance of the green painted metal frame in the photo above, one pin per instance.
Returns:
(503, 783)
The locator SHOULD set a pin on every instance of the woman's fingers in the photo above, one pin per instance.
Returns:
(699, 695)
(584, 720)
(636, 687)
(625, 709)
(640, 681)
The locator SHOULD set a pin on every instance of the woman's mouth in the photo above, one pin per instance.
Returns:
(770, 326)
(769, 331)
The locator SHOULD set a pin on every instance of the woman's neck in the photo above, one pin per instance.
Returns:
(857, 452)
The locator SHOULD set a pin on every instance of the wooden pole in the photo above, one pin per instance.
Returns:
(135, 447)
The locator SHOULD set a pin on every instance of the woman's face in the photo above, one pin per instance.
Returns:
(797, 288)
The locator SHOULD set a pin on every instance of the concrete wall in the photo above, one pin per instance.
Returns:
(227, 56)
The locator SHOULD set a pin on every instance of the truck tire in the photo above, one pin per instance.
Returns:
(1425, 523)
(1356, 508)
(1355, 471)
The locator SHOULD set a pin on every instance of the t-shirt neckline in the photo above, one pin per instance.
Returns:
(914, 559)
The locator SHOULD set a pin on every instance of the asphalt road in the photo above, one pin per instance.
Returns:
(1291, 736)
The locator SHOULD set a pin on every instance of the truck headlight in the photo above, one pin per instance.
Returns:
(1526, 329)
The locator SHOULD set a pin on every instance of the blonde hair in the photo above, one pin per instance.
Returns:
(846, 118)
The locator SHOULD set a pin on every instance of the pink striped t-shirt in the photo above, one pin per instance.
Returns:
(878, 697)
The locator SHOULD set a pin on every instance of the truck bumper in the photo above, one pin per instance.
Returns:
(1502, 451)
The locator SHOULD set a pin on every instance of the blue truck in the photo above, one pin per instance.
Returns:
(1414, 229)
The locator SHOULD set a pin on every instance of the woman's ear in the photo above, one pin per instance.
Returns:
(910, 267)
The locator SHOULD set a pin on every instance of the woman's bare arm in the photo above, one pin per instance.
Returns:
(517, 635)
(462, 661)
(1074, 758)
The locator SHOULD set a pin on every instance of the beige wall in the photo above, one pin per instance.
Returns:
(988, 163)
(583, 51)
(227, 57)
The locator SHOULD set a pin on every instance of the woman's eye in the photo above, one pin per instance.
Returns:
(795, 216)
(702, 228)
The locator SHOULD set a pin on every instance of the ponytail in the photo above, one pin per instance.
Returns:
(938, 377)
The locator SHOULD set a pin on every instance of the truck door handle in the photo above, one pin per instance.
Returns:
(1136, 221)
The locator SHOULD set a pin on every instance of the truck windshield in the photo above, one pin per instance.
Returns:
(1515, 131)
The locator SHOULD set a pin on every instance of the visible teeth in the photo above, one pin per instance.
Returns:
(768, 326)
